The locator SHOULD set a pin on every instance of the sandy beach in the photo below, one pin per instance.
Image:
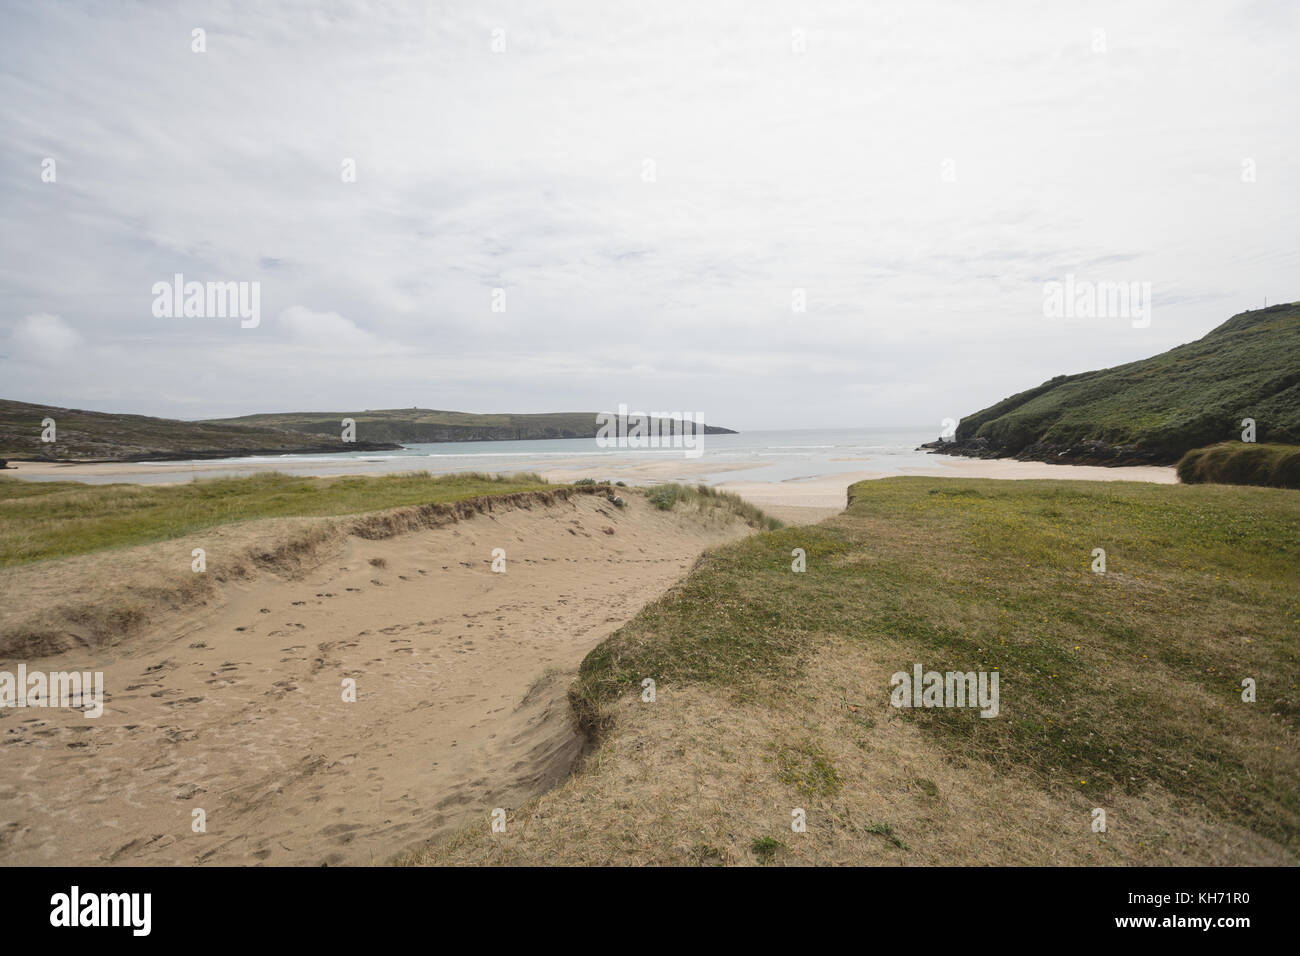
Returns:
(795, 501)
(812, 499)
(235, 706)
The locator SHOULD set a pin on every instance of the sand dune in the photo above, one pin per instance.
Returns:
(231, 701)
(236, 708)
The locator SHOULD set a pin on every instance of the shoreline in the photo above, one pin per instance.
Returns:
(577, 466)
(807, 500)
(800, 500)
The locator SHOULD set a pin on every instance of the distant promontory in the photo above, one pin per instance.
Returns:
(81, 435)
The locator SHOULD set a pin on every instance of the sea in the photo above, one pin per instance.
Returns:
(785, 455)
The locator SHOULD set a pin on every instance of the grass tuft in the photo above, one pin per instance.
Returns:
(668, 496)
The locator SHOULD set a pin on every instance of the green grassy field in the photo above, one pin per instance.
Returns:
(43, 520)
(1110, 682)
(1163, 406)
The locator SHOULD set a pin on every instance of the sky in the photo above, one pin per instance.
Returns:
(563, 206)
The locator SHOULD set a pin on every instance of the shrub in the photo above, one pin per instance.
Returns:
(765, 848)
(663, 497)
(1242, 463)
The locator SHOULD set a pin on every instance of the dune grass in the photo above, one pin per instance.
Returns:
(1242, 463)
(667, 496)
(1110, 682)
(44, 520)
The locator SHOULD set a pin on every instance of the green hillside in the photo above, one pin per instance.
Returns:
(432, 425)
(1154, 410)
(83, 435)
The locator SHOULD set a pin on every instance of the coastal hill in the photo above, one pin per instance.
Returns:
(431, 425)
(101, 436)
(1154, 410)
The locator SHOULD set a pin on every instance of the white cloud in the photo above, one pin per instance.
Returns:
(41, 337)
(327, 331)
(776, 170)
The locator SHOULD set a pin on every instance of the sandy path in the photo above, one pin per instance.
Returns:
(238, 709)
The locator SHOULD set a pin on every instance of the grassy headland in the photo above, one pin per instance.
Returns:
(1119, 690)
(1154, 410)
(432, 425)
(101, 436)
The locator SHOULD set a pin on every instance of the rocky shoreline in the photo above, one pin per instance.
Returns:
(1079, 453)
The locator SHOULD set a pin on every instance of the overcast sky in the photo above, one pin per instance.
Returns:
(919, 169)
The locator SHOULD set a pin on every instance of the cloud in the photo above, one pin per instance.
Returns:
(919, 169)
(327, 331)
(45, 338)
